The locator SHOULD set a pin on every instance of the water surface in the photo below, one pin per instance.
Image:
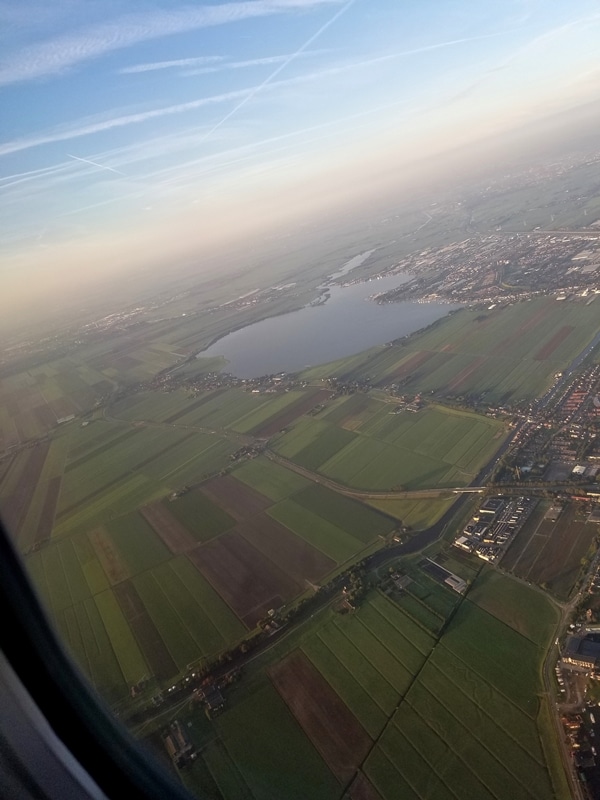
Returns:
(345, 324)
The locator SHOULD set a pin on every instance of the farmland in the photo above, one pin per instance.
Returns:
(417, 514)
(163, 527)
(260, 733)
(325, 719)
(394, 710)
(169, 582)
(435, 447)
(550, 553)
(509, 353)
(469, 724)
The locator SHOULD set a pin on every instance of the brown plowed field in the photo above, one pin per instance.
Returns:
(116, 570)
(292, 554)
(148, 638)
(363, 789)
(235, 497)
(551, 552)
(546, 351)
(326, 720)
(415, 361)
(46, 522)
(292, 412)
(16, 506)
(249, 582)
(177, 538)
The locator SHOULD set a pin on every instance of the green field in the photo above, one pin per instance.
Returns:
(527, 611)
(270, 479)
(331, 539)
(272, 755)
(355, 518)
(448, 717)
(189, 616)
(203, 518)
(416, 514)
(447, 688)
(472, 352)
(470, 724)
(436, 447)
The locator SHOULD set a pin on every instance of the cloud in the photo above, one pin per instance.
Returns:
(288, 60)
(67, 133)
(87, 128)
(95, 164)
(242, 96)
(64, 52)
(253, 62)
(179, 62)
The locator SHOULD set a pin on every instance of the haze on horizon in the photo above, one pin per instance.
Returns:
(140, 140)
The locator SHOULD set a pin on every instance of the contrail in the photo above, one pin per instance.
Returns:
(94, 164)
(279, 69)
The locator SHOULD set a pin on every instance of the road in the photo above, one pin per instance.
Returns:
(361, 494)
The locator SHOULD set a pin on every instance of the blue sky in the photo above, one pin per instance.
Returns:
(140, 131)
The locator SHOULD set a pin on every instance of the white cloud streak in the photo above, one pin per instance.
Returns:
(243, 96)
(76, 132)
(95, 164)
(65, 52)
(279, 69)
(253, 62)
(179, 62)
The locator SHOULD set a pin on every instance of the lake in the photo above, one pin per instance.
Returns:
(346, 323)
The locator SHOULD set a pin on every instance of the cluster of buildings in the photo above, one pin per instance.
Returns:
(211, 698)
(582, 736)
(561, 442)
(493, 526)
(443, 575)
(582, 651)
(503, 267)
(178, 744)
(254, 297)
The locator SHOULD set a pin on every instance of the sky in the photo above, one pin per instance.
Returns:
(139, 134)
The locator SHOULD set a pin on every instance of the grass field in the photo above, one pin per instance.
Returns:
(261, 733)
(203, 518)
(270, 479)
(470, 353)
(470, 724)
(442, 694)
(455, 717)
(114, 469)
(417, 514)
(524, 610)
(33, 401)
(331, 539)
(435, 447)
